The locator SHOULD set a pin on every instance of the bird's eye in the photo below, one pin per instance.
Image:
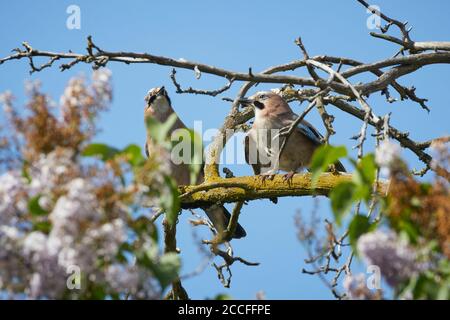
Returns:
(151, 99)
(262, 96)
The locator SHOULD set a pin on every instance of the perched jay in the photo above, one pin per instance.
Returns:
(159, 107)
(263, 141)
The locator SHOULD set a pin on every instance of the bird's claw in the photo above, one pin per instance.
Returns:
(265, 177)
(332, 169)
(288, 176)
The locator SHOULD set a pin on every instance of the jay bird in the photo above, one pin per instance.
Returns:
(158, 106)
(263, 142)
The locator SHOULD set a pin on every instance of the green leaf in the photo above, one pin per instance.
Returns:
(98, 292)
(157, 130)
(101, 150)
(170, 201)
(150, 254)
(35, 208)
(444, 292)
(366, 170)
(364, 176)
(405, 289)
(323, 157)
(358, 226)
(362, 192)
(426, 187)
(425, 287)
(197, 156)
(25, 173)
(167, 268)
(342, 198)
(409, 230)
(42, 226)
(134, 155)
(223, 296)
(144, 227)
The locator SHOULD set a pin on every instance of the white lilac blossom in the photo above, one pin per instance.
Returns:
(387, 156)
(77, 95)
(6, 99)
(123, 278)
(132, 280)
(9, 243)
(83, 229)
(78, 207)
(73, 94)
(356, 288)
(46, 278)
(13, 189)
(110, 235)
(82, 233)
(101, 83)
(140, 194)
(45, 202)
(81, 236)
(10, 258)
(32, 86)
(51, 170)
(83, 226)
(395, 258)
(440, 153)
(34, 242)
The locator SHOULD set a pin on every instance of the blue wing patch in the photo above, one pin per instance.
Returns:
(304, 127)
(310, 132)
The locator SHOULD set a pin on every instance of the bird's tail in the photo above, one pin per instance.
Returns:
(339, 166)
(220, 217)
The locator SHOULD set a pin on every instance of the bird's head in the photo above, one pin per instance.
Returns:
(266, 103)
(158, 103)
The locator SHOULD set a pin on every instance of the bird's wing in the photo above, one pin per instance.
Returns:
(247, 141)
(308, 130)
(304, 127)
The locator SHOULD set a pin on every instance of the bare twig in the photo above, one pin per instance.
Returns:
(197, 91)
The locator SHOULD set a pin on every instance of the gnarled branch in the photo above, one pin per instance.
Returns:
(223, 190)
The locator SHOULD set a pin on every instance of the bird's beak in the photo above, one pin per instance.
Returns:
(161, 91)
(150, 97)
(246, 101)
(251, 102)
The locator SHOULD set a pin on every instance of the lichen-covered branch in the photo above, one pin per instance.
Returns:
(253, 187)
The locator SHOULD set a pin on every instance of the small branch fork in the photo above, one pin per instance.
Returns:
(406, 42)
(222, 239)
(227, 255)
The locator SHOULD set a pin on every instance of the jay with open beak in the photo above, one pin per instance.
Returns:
(158, 106)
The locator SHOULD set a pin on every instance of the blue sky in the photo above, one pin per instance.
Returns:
(233, 35)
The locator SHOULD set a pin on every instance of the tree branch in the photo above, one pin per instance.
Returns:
(223, 190)
(170, 245)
